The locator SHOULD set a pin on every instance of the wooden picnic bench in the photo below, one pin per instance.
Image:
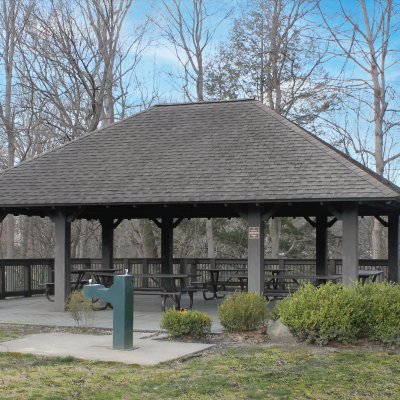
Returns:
(214, 284)
(175, 296)
(167, 286)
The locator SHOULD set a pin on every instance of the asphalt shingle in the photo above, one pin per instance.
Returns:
(201, 152)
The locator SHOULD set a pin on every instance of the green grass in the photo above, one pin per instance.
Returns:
(247, 372)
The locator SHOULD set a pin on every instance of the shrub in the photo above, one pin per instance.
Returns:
(243, 312)
(81, 309)
(329, 312)
(383, 322)
(333, 312)
(186, 323)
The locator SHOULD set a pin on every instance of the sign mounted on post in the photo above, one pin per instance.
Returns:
(254, 232)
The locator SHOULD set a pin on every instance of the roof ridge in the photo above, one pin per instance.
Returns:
(326, 146)
(195, 103)
(73, 141)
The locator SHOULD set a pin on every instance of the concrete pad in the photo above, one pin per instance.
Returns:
(37, 310)
(99, 348)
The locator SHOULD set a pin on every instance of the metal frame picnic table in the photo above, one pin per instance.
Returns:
(168, 286)
(214, 285)
(363, 275)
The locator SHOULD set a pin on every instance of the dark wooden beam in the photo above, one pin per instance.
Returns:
(167, 247)
(271, 212)
(382, 221)
(393, 248)
(239, 211)
(310, 221)
(75, 214)
(334, 211)
(2, 216)
(117, 222)
(177, 222)
(332, 222)
(321, 245)
(157, 222)
(107, 243)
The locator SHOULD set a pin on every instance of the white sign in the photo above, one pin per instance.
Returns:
(254, 232)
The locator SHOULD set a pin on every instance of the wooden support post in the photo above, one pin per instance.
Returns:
(321, 245)
(393, 248)
(107, 243)
(350, 244)
(256, 274)
(167, 245)
(62, 261)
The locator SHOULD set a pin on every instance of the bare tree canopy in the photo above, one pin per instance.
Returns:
(367, 39)
(272, 54)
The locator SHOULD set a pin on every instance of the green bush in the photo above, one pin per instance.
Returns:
(333, 312)
(186, 323)
(383, 322)
(243, 312)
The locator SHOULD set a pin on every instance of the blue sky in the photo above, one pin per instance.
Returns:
(159, 58)
(160, 67)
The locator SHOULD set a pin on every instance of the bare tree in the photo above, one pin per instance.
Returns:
(272, 54)
(190, 28)
(77, 62)
(13, 18)
(74, 76)
(365, 37)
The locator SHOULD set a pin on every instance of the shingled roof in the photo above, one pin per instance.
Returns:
(229, 151)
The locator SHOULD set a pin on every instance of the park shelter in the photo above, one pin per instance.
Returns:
(202, 160)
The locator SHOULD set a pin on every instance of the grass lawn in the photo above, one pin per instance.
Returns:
(240, 372)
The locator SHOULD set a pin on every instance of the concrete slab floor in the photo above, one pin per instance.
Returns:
(37, 310)
(147, 351)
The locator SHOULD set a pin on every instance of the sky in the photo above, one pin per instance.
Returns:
(160, 68)
(159, 58)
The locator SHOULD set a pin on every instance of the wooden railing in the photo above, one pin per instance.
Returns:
(24, 277)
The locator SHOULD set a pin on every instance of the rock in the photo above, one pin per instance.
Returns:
(279, 333)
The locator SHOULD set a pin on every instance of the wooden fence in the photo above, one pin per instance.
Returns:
(24, 277)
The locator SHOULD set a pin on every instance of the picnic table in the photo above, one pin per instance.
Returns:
(78, 282)
(277, 278)
(364, 275)
(238, 276)
(214, 285)
(101, 276)
(94, 273)
(167, 286)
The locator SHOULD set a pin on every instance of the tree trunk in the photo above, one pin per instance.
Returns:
(149, 244)
(377, 239)
(275, 233)
(210, 239)
(82, 239)
(10, 236)
(24, 237)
